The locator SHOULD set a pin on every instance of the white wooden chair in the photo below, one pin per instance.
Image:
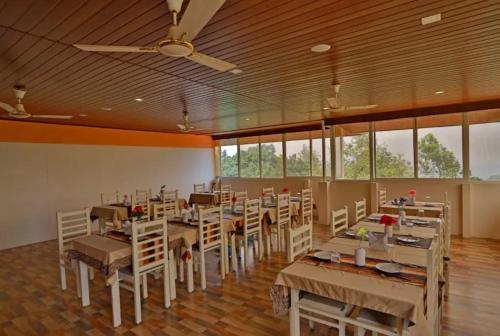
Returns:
(339, 221)
(170, 204)
(199, 187)
(382, 197)
(359, 210)
(210, 231)
(267, 194)
(385, 324)
(225, 195)
(241, 196)
(149, 254)
(283, 220)
(110, 198)
(299, 239)
(142, 199)
(70, 226)
(252, 227)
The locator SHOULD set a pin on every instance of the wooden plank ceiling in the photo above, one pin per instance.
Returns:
(380, 53)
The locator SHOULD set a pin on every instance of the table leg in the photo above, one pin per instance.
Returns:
(234, 258)
(294, 313)
(84, 283)
(190, 280)
(171, 268)
(224, 253)
(115, 304)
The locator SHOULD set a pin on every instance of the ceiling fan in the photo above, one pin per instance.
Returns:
(179, 37)
(186, 126)
(19, 112)
(334, 102)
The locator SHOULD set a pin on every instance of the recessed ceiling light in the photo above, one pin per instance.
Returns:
(83, 115)
(439, 92)
(325, 108)
(106, 108)
(139, 99)
(236, 71)
(247, 119)
(320, 48)
(431, 19)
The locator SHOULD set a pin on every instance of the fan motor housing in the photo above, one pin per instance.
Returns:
(175, 48)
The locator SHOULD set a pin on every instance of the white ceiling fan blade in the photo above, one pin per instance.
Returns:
(197, 15)
(51, 116)
(362, 107)
(333, 102)
(107, 48)
(211, 62)
(7, 107)
(181, 127)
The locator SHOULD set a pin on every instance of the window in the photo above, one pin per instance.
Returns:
(317, 153)
(440, 146)
(352, 151)
(229, 158)
(271, 153)
(394, 148)
(249, 157)
(298, 154)
(484, 149)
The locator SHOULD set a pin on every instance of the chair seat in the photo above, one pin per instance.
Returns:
(378, 319)
(324, 304)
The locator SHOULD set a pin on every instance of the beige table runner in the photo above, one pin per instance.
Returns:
(403, 299)
(430, 209)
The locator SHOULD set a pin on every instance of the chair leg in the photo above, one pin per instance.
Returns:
(278, 238)
(342, 326)
(137, 300)
(225, 241)
(91, 273)
(78, 282)
(360, 331)
(144, 286)
(181, 269)
(223, 261)
(311, 324)
(203, 279)
(261, 246)
(245, 251)
(167, 280)
(172, 273)
(233, 253)
(62, 269)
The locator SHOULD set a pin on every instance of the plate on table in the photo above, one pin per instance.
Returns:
(325, 255)
(407, 239)
(389, 268)
(420, 222)
(351, 233)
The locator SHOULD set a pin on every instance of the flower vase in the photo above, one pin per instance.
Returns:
(388, 231)
(360, 256)
(233, 208)
(402, 217)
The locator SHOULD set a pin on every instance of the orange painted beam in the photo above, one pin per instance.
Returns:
(31, 132)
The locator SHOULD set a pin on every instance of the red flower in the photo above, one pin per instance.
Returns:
(138, 211)
(285, 190)
(186, 205)
(387, 220)
(412, 193)
(234, 199)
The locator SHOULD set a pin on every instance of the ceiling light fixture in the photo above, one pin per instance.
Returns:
(431, 19)
(236, 71)
(139, 99)
(106, 108)
(319, 48)
(247, 119)
(83, 115)
(439, 92)
(325, 108)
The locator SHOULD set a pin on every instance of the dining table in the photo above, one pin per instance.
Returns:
(112, 250)
(424, 209)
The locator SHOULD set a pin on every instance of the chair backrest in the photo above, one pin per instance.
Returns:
(360, 210)
(339, 221)
(240, 196)
(252, 216)
(283, 214)
(306, 207)
(72, 225)
(110, 198)
(169, 206)
(149, 246)
(142, 199)
(382, 197)
(225, 195)
(199, 187)
(210, 228)
(267, 195)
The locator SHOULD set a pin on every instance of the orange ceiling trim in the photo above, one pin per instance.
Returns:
(32, 132)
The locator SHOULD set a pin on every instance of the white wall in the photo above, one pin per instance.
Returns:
(36, 180)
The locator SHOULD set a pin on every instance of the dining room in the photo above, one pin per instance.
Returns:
(249, 167)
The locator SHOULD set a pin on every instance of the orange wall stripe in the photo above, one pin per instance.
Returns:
(19, 131)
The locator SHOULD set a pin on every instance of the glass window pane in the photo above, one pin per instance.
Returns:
(249, 160)
(298, 158)
(272, 159)
(229, 160)
(440, 146)
(352, 152)
(328, 153)
(394, 148)
(317, 157)
(484, 151)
